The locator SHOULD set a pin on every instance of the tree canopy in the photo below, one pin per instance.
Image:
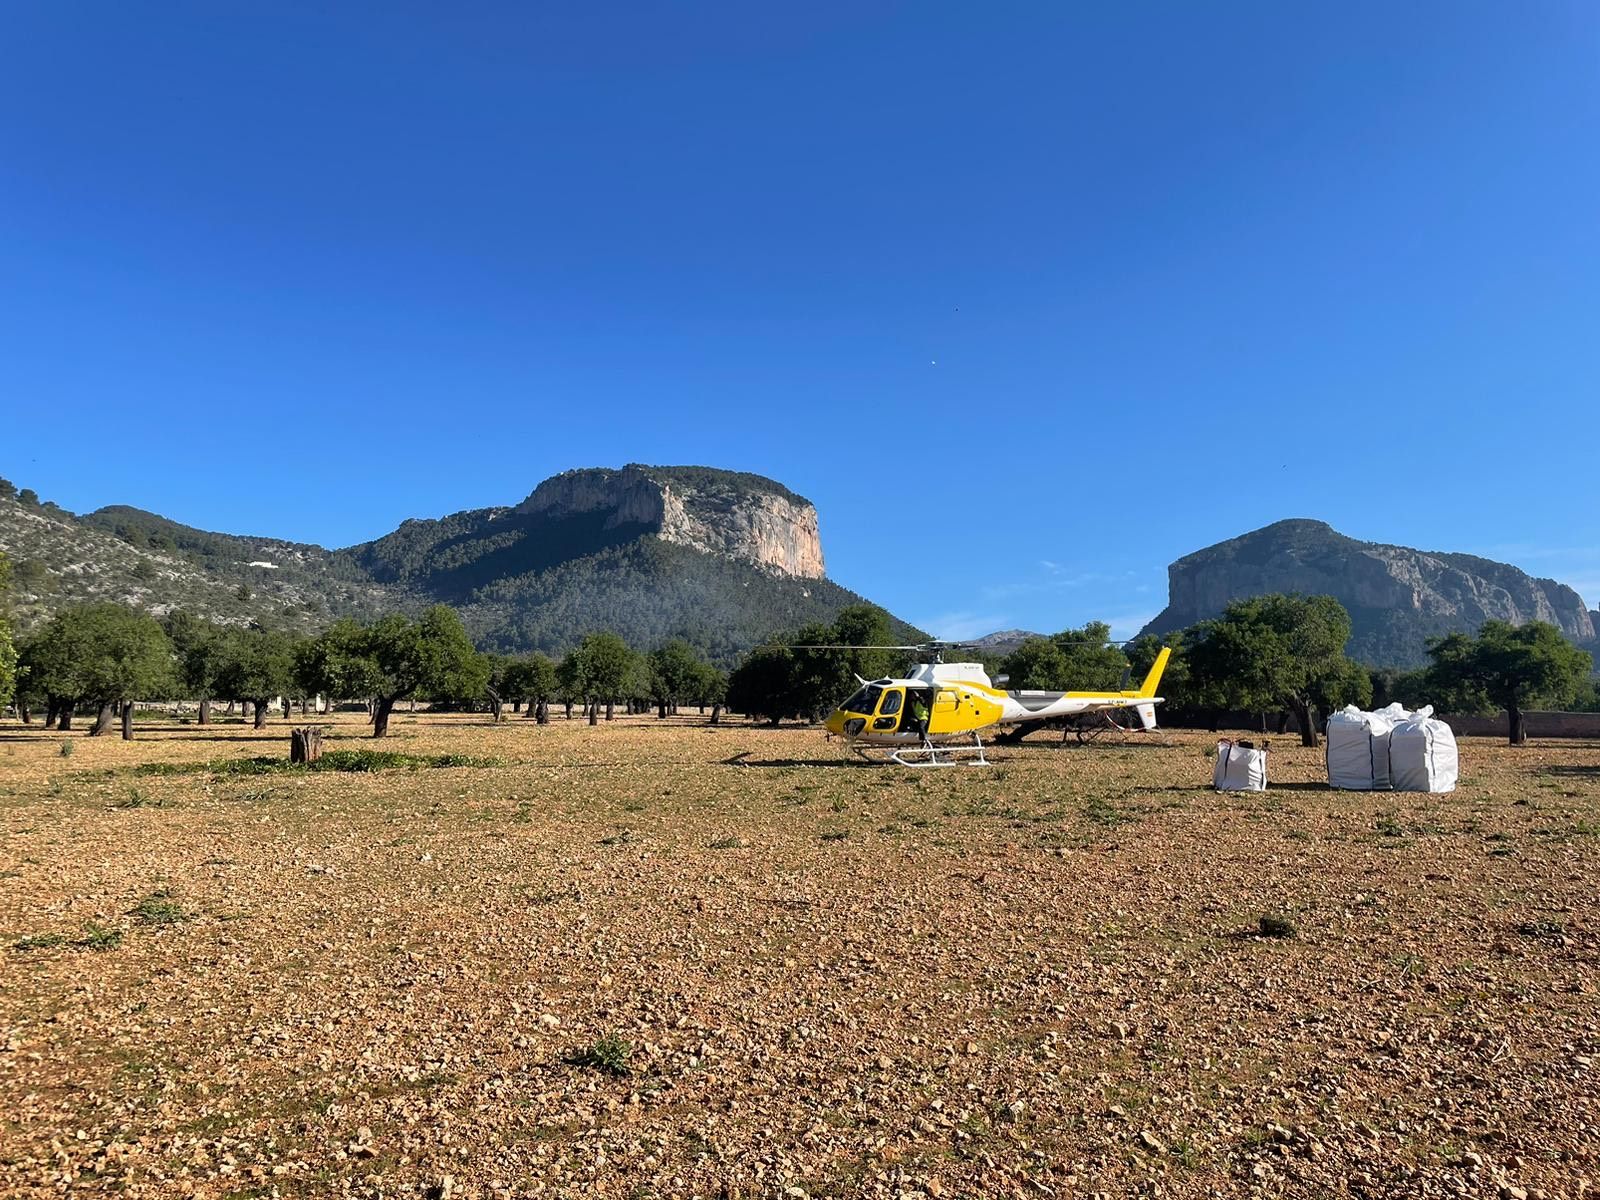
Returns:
(1276, 650)
(801, 675)
(394, 659)
(254, 665)
(1510, 666)
(101, 653)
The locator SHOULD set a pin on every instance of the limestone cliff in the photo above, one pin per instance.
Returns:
(1397, 597)
(721, 512)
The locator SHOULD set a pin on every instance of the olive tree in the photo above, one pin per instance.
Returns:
(1512, 666)
(255, 665)
(104, 654)
(1270, 651)
(397, 658)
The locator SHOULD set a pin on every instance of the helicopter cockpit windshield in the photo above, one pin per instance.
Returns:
(864, 701)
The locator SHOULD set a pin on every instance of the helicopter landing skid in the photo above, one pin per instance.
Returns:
(931, 754)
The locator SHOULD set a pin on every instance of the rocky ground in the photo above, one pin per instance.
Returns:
(661, 959)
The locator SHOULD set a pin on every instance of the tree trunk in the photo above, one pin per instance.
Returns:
(103, 721)
(1519, 725)
(230, 708)
(495, 706)
(261, 713)
(64, 723)
(544, 712)
(608, 708)
(380, 716)
(516, 707)
(569, 710)
(24, 712)
(305, 744)
(127, 721)
(1303, 713)
(661, 710)
(288, 709)
(52, 712)
(716, 713)
(594, 712)
(1283, 724)
(205, 711)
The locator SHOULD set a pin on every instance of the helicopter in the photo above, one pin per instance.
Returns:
(925, 718)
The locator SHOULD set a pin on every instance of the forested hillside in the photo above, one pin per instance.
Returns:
(524, 578)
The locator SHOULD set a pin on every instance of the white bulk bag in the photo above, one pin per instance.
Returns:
(1358, 747)
(1239, 769)
(1422, 755)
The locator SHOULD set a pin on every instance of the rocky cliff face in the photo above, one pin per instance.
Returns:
(1397, 597)
(720, 512)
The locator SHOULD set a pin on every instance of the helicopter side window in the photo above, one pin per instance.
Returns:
(891, 702)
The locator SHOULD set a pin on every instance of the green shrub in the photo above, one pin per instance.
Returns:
(608, 1055)
(98, 937)
(159, 908)
(40, 941)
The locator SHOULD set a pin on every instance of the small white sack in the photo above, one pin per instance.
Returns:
(1422, 754)
(1239, 769)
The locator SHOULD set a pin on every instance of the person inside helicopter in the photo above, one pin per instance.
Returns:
(918, 712)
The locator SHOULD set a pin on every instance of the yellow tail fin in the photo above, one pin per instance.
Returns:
(1148, 688)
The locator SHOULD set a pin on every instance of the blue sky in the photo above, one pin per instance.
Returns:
(1030, 299)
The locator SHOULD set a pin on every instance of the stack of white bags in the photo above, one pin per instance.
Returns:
(1391, 748)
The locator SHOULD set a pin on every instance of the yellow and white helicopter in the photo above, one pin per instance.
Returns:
(935, 716)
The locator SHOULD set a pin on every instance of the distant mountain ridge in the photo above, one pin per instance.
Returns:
(722, 558)
(1397, 597)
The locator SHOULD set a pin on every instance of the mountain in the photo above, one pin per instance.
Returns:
(1397, 597)
(999, 643)
(721, 558)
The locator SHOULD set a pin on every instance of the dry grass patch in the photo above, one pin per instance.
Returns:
(624, 958)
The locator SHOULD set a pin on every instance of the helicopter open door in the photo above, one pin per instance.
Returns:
(890, 709)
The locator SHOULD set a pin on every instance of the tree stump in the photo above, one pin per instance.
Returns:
(305, 744)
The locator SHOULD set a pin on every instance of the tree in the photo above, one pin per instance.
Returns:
(337, 663)
(1036, 665)
(604, 660)
(1092, 662)
(196, 646)
(710, 687)
(763, 684)
(29, 497)
(675, 671)
(106, 654)
(397, 658)
(1272, 651)
(8, 490)
(532, 679)
(1512, 666)
(45, 674)
(254, 665)
(570, 681)
(1349, 683)
(806, 673)
(1142, 653)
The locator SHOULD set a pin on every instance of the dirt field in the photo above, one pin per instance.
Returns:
(661, 959)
